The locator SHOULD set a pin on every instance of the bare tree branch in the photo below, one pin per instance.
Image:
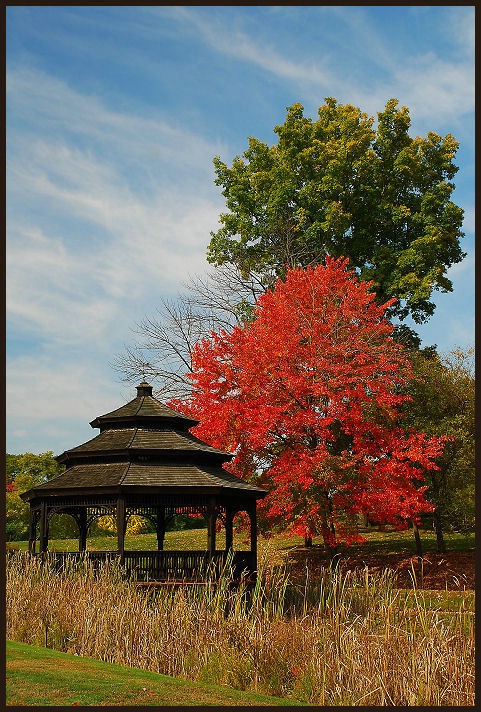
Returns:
(163, 350)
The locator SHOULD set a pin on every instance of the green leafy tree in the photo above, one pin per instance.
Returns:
(40, 467)
(341, 186)
(23, 472)
(442, 403)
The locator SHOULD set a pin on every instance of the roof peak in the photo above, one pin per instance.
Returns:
(143, 408)
(144, 389)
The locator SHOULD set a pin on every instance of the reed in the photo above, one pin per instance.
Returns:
(345, 638)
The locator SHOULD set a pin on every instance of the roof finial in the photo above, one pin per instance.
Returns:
(144, 389)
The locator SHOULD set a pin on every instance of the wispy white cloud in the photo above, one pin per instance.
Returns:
(459, 30)
(141, 141)
(233, 42)
(434, 85)
(108, 212)
(47, 402)
(357, 34)
(428, 83)
(124, 243)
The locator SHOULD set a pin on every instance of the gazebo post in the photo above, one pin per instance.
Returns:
(43, 527)
(82, 527)
(160, 528)
(253, 518)
(229, 533)
(212, 516)
(32, 532)
(121, 528)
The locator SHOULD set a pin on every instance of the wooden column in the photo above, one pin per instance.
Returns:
(160, 528)
(82, 529)
(121, 526)
(43, 527)
(253, 517)
(211, 520)
(229, 533)
(32, 532)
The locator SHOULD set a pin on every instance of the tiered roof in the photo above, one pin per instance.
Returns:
(145, 444)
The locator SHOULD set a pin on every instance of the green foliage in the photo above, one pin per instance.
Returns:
(443, 403)
(62, 525)
(340, 186)
(40, 468)
(107, 526)
(22, 473)
(182, 522)
(136, 525)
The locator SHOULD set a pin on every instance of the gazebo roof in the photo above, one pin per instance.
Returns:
(142, 441)
(145, 446)
(172, 476)
(141, 409)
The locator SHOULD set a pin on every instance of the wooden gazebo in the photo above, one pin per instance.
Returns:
(145, 461)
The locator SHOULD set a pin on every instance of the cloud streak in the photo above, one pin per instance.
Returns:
(125, 242)
(108, 212)
(429, 84)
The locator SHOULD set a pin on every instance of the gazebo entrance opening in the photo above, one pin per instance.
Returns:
(146, 463)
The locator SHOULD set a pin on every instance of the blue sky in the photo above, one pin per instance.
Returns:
(114, 115)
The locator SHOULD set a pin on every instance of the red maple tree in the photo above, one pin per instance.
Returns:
(307, 396)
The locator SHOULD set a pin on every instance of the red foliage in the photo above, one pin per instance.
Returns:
(306, 396)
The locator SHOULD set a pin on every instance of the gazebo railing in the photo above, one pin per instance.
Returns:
(169, 565)
(163, 565)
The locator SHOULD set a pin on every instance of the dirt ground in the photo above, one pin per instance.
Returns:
(453, 571)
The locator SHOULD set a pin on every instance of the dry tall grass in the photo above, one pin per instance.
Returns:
(346, 639)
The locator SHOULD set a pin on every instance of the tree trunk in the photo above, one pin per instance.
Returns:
(331, 549)
(417, 539)
(308, 542)
(438, 525)
(365, 521)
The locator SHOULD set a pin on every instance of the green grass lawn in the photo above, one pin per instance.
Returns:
(395, 542)
(42, 677)
(377, 542)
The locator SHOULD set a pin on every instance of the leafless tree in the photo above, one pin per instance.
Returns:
(162, 351)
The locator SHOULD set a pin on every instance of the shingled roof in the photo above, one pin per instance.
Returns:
(141, 410)
(171, 476)
(145, 444)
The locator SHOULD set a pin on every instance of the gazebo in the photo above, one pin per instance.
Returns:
(145, 461)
